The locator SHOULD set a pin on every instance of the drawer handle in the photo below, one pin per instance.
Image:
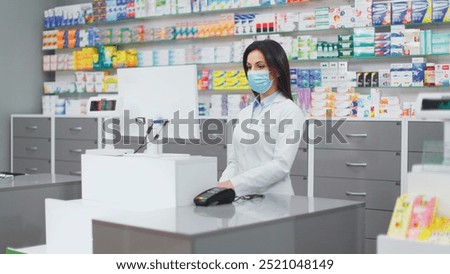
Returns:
(31, 148)
(358, 135)
(359, 194)
(79, 151)
(76, 129)
(32, 127)
(31, 169)
(356, 164)
(76, 173)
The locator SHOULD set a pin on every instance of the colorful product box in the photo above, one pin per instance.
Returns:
(363, 14)
(381, 14)
(418, 71)
(442, 75)
(441, 11)
(422, 11)
(401, 13)
(347, 16)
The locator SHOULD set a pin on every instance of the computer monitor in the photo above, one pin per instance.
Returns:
(159, 92)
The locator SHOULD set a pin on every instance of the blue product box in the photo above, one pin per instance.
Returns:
(422, 11)
(441, 11)
(381, 14)
(418, 73)
(315, 78)
(401, 13)
(303, 78)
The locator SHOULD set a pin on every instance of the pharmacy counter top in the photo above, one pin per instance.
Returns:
(275, 224)
(35, 181)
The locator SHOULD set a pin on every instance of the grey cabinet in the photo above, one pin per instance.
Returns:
(419, 133)
(40, 143)
(31, 144)
(361, 161)
(72, 137)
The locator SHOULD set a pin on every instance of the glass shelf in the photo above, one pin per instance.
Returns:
(75, 94)
(401, 87)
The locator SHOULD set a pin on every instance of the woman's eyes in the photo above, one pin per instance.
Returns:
(257, 66)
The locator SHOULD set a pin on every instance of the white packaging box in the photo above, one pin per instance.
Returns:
(442, 75)
(396, 75)
(287, 21)
(307, 20)
(334, 18)
(347, 19)
(407, 75)
(375, 98)
(90, 87)
(363, 14)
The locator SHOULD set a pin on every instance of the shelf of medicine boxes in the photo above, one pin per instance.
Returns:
(292, 62)
(251, 9)
(79, 94)
(407, 87)
(288, 33)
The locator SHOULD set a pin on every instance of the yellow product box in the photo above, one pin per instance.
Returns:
(401, 216)
(219, 84)
(237, 84)
(219, 74)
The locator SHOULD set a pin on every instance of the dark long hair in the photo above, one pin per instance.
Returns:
(276, 60)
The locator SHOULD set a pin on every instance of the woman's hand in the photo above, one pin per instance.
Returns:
(225, 184)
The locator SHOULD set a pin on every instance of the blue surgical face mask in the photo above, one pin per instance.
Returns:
(259, 81)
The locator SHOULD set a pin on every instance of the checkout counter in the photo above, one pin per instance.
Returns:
(22, 206)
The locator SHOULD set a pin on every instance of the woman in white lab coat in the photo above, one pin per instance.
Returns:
(267, 136)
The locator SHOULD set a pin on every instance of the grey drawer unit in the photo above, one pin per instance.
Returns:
(376, 194)
(378, 165)
(31, 127)
(300, 185)
(370, 246)
(371, 135)
(71, 150)
(32, 148)
(76, 128)
(31, 166)
(414, 158)
(377, 222)
(420, 132)
(68, 168)
(300, 165)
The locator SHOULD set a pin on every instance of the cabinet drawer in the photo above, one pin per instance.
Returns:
(300, 185)
(357, 164)
(31, 166)
(376, 194)
(414, 158)
(32, 127)
(377, 222)
(371, 135)
(300, 165)
(71, 150)
(420, 132)
(32, 148)
(68, 168)
(76, 128)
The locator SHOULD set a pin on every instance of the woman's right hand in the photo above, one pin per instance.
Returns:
(225, 184)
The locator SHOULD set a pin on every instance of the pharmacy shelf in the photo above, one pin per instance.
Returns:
(402, 87)
(80, 94)
(245, 91)
(293, 62)
(249, 9)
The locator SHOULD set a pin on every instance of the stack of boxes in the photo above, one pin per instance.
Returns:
(440, 43)
(422, 11)
(401, 13)
(337, 102)
(383, 44)
(441, 11)
(307, 47)
(57, 62)
(381, 14)
(364, 42)
(345, 46)
(322, 18)
(363, 13)
(73, 15)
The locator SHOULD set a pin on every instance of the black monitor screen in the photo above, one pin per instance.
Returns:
(436, 104)
(103, 105)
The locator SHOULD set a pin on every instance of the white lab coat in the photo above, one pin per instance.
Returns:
(264, 167)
